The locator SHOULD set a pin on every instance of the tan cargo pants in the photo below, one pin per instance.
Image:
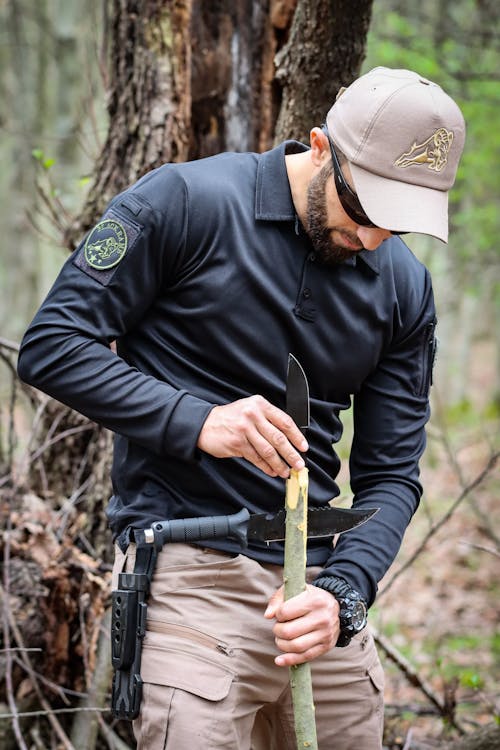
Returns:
(208, 671)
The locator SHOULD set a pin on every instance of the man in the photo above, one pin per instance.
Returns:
(207, 274)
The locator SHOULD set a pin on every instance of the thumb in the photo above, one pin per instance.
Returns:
(275, 601)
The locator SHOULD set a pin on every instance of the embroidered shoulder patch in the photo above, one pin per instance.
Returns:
(106, 246)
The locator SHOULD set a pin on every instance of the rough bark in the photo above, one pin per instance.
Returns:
(325, 51)
(189, 79)
(148, 98)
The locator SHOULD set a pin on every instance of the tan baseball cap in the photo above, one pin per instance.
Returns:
(403, 138)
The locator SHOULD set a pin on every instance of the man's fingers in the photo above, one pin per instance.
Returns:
(275, 601)
(274, 445)
(252, 455)
(292, 659)
(286, 429)
(306, 625)
(275, 451)
(254, 429)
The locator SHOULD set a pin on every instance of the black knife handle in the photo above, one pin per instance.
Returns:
(196, 529)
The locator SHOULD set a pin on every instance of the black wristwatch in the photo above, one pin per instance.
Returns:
(353, 609)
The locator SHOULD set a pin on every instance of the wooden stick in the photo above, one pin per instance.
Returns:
(295, 583)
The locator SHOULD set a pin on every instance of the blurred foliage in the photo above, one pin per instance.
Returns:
(455, 44)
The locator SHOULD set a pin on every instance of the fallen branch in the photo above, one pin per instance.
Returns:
(488, 468)
(414, 679)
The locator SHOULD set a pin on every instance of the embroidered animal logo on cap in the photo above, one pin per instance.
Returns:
(433, 152)
(106, 245)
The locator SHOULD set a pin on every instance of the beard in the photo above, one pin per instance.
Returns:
(318, 230)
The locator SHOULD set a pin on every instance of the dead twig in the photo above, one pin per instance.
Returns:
(59, 690)
(12, 346)
(85, 728)
(61, 436)
(481, 548)
(72, 710)
(13, 628)
(487, 469)
(407, 745)
(444, 439)
(6, 635)
(114, 741)
(392, 653)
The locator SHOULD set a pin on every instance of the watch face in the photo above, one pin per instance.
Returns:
(358, 616)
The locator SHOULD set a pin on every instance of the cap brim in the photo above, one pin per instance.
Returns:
(401, 206)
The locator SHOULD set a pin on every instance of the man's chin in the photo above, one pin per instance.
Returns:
(335, 254)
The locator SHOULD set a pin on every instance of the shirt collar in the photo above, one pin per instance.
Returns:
(371, 258)
(273, 198)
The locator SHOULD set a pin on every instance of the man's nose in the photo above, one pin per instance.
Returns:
(372, 237)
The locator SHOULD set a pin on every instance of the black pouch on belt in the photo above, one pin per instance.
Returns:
(128, 627)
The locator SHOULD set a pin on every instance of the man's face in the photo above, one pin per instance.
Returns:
(335, 237)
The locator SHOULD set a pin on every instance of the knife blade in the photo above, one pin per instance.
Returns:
(297, 394)
(243, 527)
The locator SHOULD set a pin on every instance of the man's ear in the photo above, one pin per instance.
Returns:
(320, 148)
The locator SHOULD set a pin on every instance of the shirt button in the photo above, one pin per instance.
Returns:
(306, 293)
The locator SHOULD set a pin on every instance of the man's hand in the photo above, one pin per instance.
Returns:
(254, 429)
(307, 625)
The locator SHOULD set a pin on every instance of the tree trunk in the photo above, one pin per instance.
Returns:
(148, 99)
(324, 52)
(188, 80)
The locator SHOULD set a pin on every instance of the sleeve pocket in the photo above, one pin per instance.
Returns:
(428, 354)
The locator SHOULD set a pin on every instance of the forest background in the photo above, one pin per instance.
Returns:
(437, 614)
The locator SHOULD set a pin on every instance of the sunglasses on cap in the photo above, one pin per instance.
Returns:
(347, 197)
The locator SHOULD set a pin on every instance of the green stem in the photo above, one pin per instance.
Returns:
(295, 583)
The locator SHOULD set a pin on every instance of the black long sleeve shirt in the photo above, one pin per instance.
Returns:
(203, 276)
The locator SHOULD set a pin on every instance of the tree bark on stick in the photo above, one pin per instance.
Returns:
(295, 582)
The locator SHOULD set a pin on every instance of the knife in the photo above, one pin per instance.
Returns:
(245, 527)
(263, 527)
(297, 394)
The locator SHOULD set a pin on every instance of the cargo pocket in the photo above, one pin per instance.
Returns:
(376, 675)
(182, 689)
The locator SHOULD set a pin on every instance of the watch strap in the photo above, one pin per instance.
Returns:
(346, 596)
